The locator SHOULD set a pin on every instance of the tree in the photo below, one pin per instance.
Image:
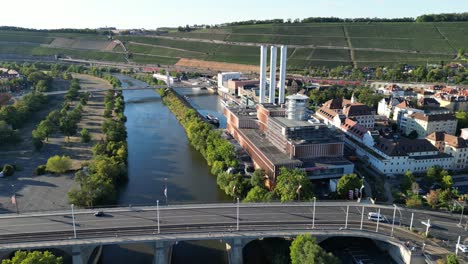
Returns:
(348, 182)
(447, 182)
(432, 198)
(68, 126)
(58, 164)
(46, 128)
(431, 175)
(414, 201)
(85, 136)
(258, 194)
(36, 257)
(257, 178)
(304, 249)
(289, 182)
(452, 259)
(8, 170)
(407, 181)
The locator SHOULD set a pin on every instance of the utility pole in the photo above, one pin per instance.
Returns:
(393, 219)
(458, 243)
(411, 223)
(347, 213)
(73, 218)
(313, 214)
(378, 220)
(362, 217)
(237, 213)
(157, 213)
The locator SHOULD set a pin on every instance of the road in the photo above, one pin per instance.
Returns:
(132, 88)
(39, 227)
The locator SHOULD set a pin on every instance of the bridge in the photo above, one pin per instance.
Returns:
(236, 224)
(129, 88)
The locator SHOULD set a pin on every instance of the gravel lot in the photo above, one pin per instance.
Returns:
(48, 192)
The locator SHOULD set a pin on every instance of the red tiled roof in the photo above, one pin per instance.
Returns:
(354, 128)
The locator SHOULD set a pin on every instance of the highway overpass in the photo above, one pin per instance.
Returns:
(235, 224)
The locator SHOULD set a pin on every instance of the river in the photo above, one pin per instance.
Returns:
(160, 155)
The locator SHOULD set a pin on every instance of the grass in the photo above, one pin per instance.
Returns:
(15, 37)
(418, 43)
(379, 58)
(37, 50)
(153, 60)
(422, 45)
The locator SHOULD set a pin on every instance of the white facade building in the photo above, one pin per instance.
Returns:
(425, 125)
(456, 147)
(224, 77)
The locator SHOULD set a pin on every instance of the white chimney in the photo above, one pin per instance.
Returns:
(263, 62)
(272, 74)
(282, 77)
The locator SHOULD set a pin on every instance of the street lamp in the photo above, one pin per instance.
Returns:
(298, 191)
(73, 218)
(393, 219)
(461, 215)
(237, 213)
(313, 214)
(157, 213)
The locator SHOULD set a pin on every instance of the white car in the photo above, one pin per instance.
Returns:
(376, 217)
(462, 248)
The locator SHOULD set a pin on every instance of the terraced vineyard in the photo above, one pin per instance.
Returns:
(309, 44)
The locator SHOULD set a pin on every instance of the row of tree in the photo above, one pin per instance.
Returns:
(98, 183)
(448, 17)
(363, 94)
(17, 114)
(65, 120)
(395, 73)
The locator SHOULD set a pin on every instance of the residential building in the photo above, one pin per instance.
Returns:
(8, 74)
(457, 147)
(349, 109)
(426, 124)
(387, 105)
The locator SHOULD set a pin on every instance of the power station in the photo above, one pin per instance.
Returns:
(282, 74)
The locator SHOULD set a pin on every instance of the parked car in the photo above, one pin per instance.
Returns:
(462, 248)
(373, 216)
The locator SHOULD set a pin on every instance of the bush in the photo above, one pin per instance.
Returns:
(57, 164)
(8, 170)
(85, 136)
(40, 170)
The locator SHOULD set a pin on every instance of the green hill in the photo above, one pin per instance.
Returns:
(310, 44)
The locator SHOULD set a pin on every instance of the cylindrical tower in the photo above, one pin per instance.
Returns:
(296, 106)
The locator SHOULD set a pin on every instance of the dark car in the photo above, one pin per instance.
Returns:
(99, 213)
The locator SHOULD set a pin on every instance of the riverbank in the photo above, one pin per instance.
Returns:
(217, 151)
(48, 192)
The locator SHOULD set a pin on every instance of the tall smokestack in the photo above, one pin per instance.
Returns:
(272, 74)
(282, 77)
(263, 62)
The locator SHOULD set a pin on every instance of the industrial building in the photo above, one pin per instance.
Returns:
(276, 137)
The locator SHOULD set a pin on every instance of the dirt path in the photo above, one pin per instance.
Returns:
(48, 192)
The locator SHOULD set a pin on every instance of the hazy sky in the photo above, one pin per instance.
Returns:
(151, 14)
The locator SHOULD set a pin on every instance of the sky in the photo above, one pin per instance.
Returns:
(151, 14)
